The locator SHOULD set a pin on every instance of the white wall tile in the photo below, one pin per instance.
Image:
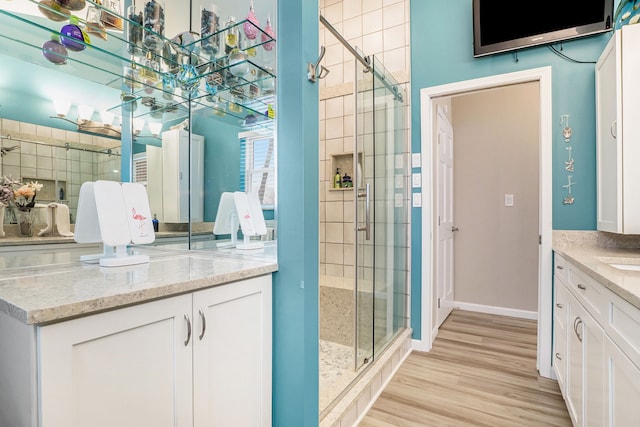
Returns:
(43, 131)
(334, 213)
(333, 55)
(334, 146)
(335, 107)
(372, 22)
(372, 43)
(394, 37)
(44, 163)
(395, 60)
(369, 5)
(334, 128)
(334, 235)
(352, 27)
(394, 15)
(351, 8)
(333, 253)
(334, 78)
(27, 128)
(333, 14)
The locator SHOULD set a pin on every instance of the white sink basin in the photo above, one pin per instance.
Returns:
(622, 263)
(628, 267)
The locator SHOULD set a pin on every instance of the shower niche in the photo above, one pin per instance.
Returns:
(343, 162)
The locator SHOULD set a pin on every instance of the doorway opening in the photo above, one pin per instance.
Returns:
(432, 272)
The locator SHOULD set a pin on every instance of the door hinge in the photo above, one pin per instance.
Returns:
(539, 239)
(438, 302)
(438, 219)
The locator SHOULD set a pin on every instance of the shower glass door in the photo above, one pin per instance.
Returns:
(381, 213)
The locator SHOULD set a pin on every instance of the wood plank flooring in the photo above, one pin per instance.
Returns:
(481, 371)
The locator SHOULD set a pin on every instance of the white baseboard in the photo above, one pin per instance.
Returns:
(501, 311)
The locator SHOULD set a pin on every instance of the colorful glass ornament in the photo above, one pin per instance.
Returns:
(188, 79)
(268, 36)
(53, 10)
(251, 25)
(55, 51)
(73, 5)
(72, 37)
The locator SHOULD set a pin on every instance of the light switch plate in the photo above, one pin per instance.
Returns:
(415, 160)
(416, 180)
(508, 199)
(417, 200)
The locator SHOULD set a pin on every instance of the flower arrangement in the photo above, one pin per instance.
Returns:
(22, 196)
(25, 195)
(7, 188)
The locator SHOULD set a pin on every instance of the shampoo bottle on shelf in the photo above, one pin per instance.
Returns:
(156, 223)
(336, 179)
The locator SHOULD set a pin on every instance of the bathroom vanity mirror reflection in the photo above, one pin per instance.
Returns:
(117, 110)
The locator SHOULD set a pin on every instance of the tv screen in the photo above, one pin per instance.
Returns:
(505, 26)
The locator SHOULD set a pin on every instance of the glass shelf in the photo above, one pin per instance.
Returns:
(108, 61)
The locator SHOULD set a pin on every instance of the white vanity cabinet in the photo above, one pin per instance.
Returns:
(196, 359)
(617, 133)
(600, 335)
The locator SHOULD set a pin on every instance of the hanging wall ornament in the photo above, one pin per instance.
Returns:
(567, 131)
(569, 199)
(251, 26)
(268, 36)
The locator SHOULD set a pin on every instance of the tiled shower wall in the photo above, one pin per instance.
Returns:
(47, 158)
(375, 27)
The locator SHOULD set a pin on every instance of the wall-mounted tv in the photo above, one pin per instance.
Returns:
(500, 26)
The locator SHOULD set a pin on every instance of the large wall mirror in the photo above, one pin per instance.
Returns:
(180, 97)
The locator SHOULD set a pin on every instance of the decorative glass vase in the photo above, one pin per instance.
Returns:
(2, 206)
(24, 219)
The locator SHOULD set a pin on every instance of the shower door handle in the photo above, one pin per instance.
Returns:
(367, 212)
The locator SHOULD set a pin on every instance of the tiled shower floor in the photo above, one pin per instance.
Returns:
(336, 371)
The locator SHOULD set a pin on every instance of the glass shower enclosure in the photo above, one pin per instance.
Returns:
(381, 211)
(364, 289)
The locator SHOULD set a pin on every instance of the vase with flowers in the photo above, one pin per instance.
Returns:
(24, 200)
(7, 188)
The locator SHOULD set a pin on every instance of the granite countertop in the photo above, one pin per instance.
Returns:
(592, 253)
(38, 287)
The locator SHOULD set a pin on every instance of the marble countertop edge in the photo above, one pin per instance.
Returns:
(593, 252)
(61, 288)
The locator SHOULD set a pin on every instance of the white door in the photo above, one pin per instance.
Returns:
(446, 228)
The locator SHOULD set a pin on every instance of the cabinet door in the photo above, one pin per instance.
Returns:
(623, 388)
(560, 314)
(575, 350)
(609, 153)
(593, 344)
(127, 368)
(232, 354)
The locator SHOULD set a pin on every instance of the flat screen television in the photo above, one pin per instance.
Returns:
(500, 26)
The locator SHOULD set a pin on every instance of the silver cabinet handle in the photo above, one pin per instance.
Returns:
(558, 356)
(614, 125)
(576, 323)
(204, 324)
(582, 287)
(559, 305)
(186, 317)
(367, 202)
(559, 267)
(454, 228)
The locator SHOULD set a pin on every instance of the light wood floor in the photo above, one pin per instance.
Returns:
(481, 371)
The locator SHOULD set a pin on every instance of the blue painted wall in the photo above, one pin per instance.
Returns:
(295, 286)
(442, 52)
